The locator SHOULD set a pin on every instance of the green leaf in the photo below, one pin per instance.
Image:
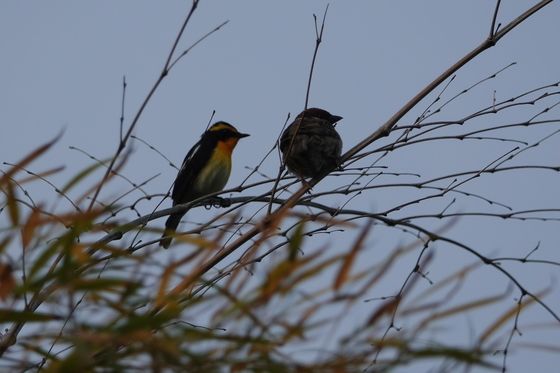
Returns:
(26, 316)
(79, 177)
(295, 241)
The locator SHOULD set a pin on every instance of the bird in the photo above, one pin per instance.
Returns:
(205, 170)
(311, 145)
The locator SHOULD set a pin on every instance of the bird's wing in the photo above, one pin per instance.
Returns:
(193, 164)
(311, 126)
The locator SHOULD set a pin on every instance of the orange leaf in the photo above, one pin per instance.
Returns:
(40, 150)
(28, 230)
(347, 265)
(7, 281)
(12, 204)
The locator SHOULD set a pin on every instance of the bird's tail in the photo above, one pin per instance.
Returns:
(170, 227)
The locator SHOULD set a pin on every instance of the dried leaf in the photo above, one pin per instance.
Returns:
(36, 153)
(343, 274)
(7, 281)
(30, 226)
(12, 204)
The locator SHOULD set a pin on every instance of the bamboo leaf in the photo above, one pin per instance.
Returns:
(28, 230)
(79, 177)
(13, 208)
(35, 154)
(343, 274)
(26, 316)
(7, 281)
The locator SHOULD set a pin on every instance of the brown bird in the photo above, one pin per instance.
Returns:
(315, 147)
(205, 170)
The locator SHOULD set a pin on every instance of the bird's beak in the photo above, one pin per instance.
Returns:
(335, 118)
(241, 135)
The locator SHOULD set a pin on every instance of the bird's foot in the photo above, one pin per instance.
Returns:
(305, 184)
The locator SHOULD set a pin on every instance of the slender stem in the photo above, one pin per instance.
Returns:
(318, 40)
(494, 18)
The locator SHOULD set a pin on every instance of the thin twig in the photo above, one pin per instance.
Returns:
(318, 40)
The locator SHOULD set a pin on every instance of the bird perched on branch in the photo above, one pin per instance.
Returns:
(205, 170)
(310, 145)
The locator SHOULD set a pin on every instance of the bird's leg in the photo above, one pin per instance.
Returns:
(220, 202)
(304, 183)
(338, 165)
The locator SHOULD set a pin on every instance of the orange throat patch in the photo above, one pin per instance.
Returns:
(228, 145)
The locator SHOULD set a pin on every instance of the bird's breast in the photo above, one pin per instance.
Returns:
(214, 177)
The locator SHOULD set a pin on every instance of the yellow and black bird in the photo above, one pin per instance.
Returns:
(315, 147)
(205, 170)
